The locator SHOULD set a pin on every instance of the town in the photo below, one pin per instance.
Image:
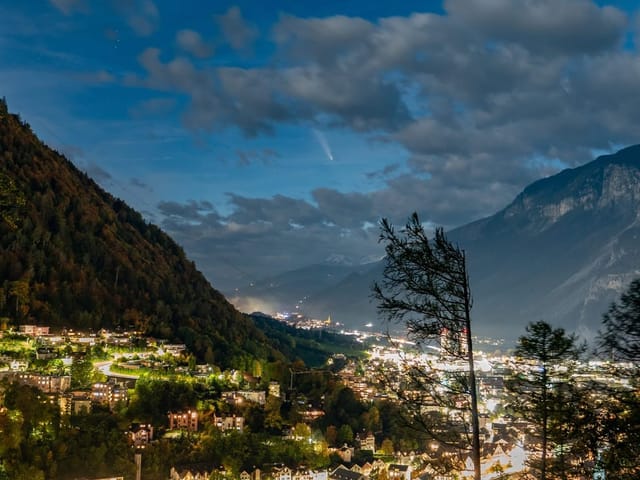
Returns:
(340, 421)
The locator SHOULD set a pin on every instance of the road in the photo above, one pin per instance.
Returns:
(105, 367)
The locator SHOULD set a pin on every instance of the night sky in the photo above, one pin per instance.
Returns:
(267, 135)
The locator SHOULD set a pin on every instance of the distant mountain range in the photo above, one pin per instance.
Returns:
(562, 251)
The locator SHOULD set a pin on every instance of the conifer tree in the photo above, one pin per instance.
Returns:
(543, 390)
(620, 337)
(619, 424)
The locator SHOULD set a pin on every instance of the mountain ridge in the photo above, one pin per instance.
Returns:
(561, 251)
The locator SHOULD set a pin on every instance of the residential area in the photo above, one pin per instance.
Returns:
(339, 422)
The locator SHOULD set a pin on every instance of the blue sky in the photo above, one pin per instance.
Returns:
(264, 136)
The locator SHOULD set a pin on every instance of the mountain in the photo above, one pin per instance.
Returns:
(562, 251)
(290, 290)
(72, 255)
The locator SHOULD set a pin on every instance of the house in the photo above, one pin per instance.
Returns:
(399, 472)
(311, 414)
(282, 473)
(80, 403)
(140, 435)
(74, 403)
(33, 330)
(274, 389)
(239, 396)
(109, 394)
(366, 469)
(45, 353)
(345, 453)
(378, 466)
(504, 460)
(18, 365)
(366, 442)
(225, 423)
(46, 383)
(187, 475)
(255, 475)
(319, 475)
(302, 474)
(183, 420)
(173, 349)
(343, 473)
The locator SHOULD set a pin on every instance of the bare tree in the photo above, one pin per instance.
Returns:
(425, 287)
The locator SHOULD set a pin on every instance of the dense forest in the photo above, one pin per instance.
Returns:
(74, 256)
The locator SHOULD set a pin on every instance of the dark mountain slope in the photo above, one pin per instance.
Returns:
(72, 255)
(565, 248)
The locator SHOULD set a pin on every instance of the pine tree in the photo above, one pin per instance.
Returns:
(543, 390)
(619, 425)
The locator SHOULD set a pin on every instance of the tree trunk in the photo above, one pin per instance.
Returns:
(475, 420)
(545, 421)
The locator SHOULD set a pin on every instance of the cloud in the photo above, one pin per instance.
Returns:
(136, 182)
(484, 99)
(255, 100)
(279, 211)
(248, 157)
(191, 42)
(236, 31)
(568, 27)
(322, 40)
(69, 6)
(346, 210)
(385, 172)
(288, 233)
(141, 15)
(222, 97)
(189, 211)
(98, 173)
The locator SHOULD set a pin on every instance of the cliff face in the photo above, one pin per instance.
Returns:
(597, 187)
(72, 255)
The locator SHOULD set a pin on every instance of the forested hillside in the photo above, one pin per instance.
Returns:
(74, 256)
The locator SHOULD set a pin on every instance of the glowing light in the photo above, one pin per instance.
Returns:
(322, 140)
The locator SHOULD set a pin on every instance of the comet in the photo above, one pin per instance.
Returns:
(322, 140)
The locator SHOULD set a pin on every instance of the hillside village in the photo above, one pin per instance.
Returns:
(82, 373)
